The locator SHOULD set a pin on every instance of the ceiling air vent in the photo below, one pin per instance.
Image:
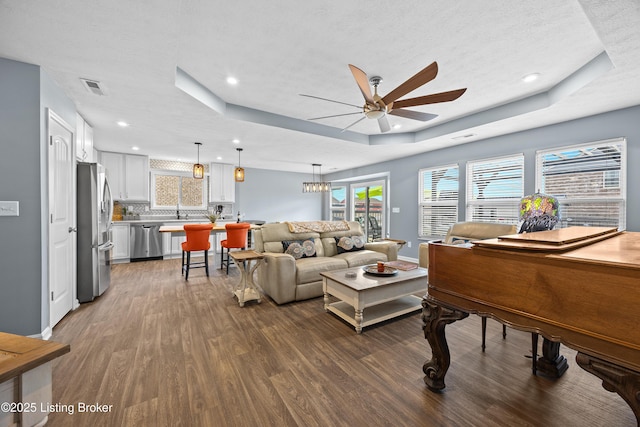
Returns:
(93, 86)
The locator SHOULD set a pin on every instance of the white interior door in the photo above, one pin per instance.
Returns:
(62, 260)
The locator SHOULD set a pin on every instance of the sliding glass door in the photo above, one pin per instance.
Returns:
(368, 207)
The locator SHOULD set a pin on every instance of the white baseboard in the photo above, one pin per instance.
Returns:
(408, 259)
(44, 335)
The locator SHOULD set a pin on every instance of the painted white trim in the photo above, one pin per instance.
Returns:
(44, 335)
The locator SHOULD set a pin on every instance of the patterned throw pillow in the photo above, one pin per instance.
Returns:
(349, 244)
(299, 248)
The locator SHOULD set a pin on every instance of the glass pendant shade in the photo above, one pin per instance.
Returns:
(238, 173)
(198, 169)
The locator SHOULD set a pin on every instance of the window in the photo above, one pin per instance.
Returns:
(338, 203)
(437, 200)
(171, 189)
(494, 189)
(588, 180)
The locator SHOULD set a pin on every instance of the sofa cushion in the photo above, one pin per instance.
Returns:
(358, 258)
(299, 248)
(349, 244)
(308, 269)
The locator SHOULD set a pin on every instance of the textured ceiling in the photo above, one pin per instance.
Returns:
(587, 53)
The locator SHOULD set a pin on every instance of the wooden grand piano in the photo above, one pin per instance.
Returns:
(578, 286)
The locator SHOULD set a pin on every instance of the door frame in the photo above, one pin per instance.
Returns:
(380, 181)
(52, 116)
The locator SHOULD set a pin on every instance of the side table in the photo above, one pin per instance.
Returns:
(246, 289)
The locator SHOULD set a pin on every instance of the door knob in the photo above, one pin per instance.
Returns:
(73, 230)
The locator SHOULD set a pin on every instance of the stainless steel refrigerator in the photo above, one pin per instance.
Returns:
(94, 219)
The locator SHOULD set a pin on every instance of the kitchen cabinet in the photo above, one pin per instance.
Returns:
(128, 175)
(221, 183)
(84, 140)
(120, 239)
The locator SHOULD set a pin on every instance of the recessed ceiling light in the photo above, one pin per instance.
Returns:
(397, 126)
(531, 77)
(219, 158)
(236, 141)
(232, 80)
(122, 124)
(134, 148)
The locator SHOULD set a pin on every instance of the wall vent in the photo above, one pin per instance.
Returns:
(93, 86)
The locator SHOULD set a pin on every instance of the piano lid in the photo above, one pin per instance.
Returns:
(552, 240)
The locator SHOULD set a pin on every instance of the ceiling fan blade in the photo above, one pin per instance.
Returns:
(357, 121)
(335, 115)
(331, 100)
(415, 115)
(363, 83)
(422, 77)
(383, 122)
(451, 95)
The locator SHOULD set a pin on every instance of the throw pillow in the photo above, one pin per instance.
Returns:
(299, 248)
(349, 244)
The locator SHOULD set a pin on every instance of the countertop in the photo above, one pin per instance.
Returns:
(194, 219)
(172, 220)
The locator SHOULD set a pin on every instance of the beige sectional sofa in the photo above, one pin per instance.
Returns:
(286, 274)
(463, 232)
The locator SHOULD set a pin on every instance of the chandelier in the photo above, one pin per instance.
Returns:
(316, 186)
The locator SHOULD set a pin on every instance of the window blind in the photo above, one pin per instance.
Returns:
(494, 189)
(589, 181)
(437, 200)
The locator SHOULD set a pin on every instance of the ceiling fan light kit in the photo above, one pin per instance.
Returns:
(377, 107)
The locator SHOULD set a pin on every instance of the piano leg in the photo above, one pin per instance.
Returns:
(435, 317)
(552, 364)
(614, 378)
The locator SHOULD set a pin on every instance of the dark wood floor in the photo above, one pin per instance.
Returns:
(165, 352)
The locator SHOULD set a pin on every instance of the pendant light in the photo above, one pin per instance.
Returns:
(316, 186)
(238, 173)
(198, 169)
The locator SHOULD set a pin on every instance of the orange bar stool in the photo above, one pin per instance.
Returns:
(236, 239)
(197, 240)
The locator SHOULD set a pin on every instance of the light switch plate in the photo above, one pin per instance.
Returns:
(395, 210)
(9, 208)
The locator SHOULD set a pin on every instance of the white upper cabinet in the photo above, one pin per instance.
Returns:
(221, 183)
(128, 175)
(84, 140)
(136, 170)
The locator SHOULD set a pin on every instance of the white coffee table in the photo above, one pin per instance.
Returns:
(384, 297)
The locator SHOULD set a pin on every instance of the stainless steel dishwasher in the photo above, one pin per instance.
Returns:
(145, 242)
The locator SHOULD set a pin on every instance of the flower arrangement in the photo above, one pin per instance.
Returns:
(212, 217)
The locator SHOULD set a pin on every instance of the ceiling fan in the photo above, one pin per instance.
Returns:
(377, 107)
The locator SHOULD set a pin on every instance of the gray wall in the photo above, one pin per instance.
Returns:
(25, 92)
(275, 196)
(403, 188)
